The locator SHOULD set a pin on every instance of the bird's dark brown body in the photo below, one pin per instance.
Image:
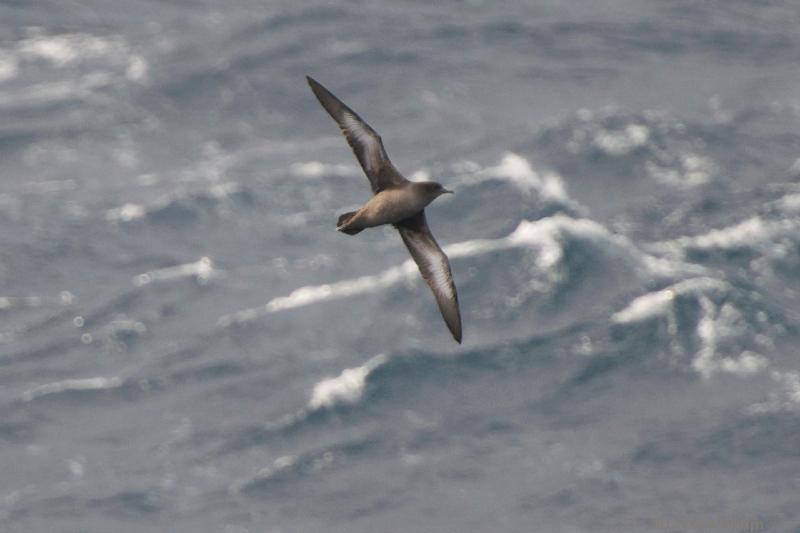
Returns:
(391, 206)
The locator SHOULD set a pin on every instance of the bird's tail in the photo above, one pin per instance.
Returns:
(341, 224)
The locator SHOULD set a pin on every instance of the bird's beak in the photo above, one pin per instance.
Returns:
(447, 191)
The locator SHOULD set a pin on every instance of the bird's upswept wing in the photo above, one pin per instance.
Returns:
(434, 267)
(366, 144)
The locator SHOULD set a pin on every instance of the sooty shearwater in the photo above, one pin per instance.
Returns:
(396, 201)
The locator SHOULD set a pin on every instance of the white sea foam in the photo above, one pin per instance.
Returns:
(550, 232)
(689, 171)
(137, 68)
(85, 384)
(80, 87)
(316, 169)
(346, 388)
(716, 325)
(754, 232)
(64, 49)
(220, 194)
(747, 232)
(785, 399)
(745, 364)
(590, 133)
(126, 213)
(59, 50)
(124, 327)
(342, 289)
(642, 140)
(659, 303)
(8, 66)
(11, 302)
(795, 168)
(621, 142)
(104, 61)
(517, 170)
(311, 462)
(789, 203)
(201, 270)
(645, 307)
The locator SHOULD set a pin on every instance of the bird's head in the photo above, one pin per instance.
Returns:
(433, 189)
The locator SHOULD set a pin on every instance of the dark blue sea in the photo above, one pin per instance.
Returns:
(188, 345)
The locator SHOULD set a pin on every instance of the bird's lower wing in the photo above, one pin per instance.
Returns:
(434, 267)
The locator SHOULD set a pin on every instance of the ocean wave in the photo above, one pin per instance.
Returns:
(685, 33)
(764, 246)
(650, 143)
(708, 325)
(659, 303)
(740, 442)
(123, 332)
(721, 330)
(548, 236)
(383, 379)
(285, 469)
(753, 233)
(8, 303)
(518, 171)
(201, 270)
(628, 277)
(132, 504)
(64, 49)
(73, 385)
(785, 399)
(51, 309)
(316, 169)
(346, 388)
(184, 207)
(70, 66)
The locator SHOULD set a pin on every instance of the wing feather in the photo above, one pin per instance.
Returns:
(434, 267)
(365, 142)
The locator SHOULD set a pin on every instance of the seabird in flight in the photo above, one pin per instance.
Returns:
(396, 201)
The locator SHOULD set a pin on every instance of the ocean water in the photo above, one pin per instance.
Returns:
(187, 344)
